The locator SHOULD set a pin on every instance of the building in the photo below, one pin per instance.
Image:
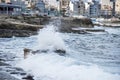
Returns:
(64, 6)
(106, 8)
(7, 8)
(40, 6)
(94, 9)
(19, 2)
(117, 7)
(79, 7)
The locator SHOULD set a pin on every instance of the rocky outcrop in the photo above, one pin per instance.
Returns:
(68, 23)
(18, 27)
(36, 20)
(27, 52)
(19, 30)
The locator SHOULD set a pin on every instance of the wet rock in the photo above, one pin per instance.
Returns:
(28, 51)
(60, 52)
(79, 31)
(3, 64)
(95, 30)
(2, 59)
(28, 77)
(9, 70)
(23, 73)
(8, 33)
(21, 26)
(18, 69)
(68, 23)
(6, 76)
(15, 72)
(9, 29)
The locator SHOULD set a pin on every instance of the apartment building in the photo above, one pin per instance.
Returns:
(64, 6)
(7, 8)
(117, 7)
(106, 8)
(94, 9)
(80, 7)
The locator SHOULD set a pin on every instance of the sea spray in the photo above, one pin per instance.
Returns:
(49, 39)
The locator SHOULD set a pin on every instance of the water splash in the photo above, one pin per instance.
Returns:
(49, 39)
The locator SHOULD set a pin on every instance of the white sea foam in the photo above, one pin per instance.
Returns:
(48, 38)
(55, 67)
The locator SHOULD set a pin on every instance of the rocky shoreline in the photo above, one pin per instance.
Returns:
(8, 71)
(20, 26)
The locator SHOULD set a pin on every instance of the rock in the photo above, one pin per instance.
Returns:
(60, 52)
(23, 73)
(68, 23)
(26, 52)
(18, 27)
(3, 64)
(95, 30)
(14, 72)
(28, 77)
(18, 69)
(6, 76)
(2, 59)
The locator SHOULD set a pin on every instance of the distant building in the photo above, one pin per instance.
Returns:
(40, 6)
(106, 8)
(7, 7)
(64, 6)
(94, 9)
(77, 7)
(117, 7)
(71, 8)
(87, 9)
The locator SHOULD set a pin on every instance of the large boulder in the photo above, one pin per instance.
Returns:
(27, 52)
(10, 28)
(68, 23)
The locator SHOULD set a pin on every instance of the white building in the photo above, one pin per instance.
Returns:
(117, 7)
(106, 8)
(77, 7)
